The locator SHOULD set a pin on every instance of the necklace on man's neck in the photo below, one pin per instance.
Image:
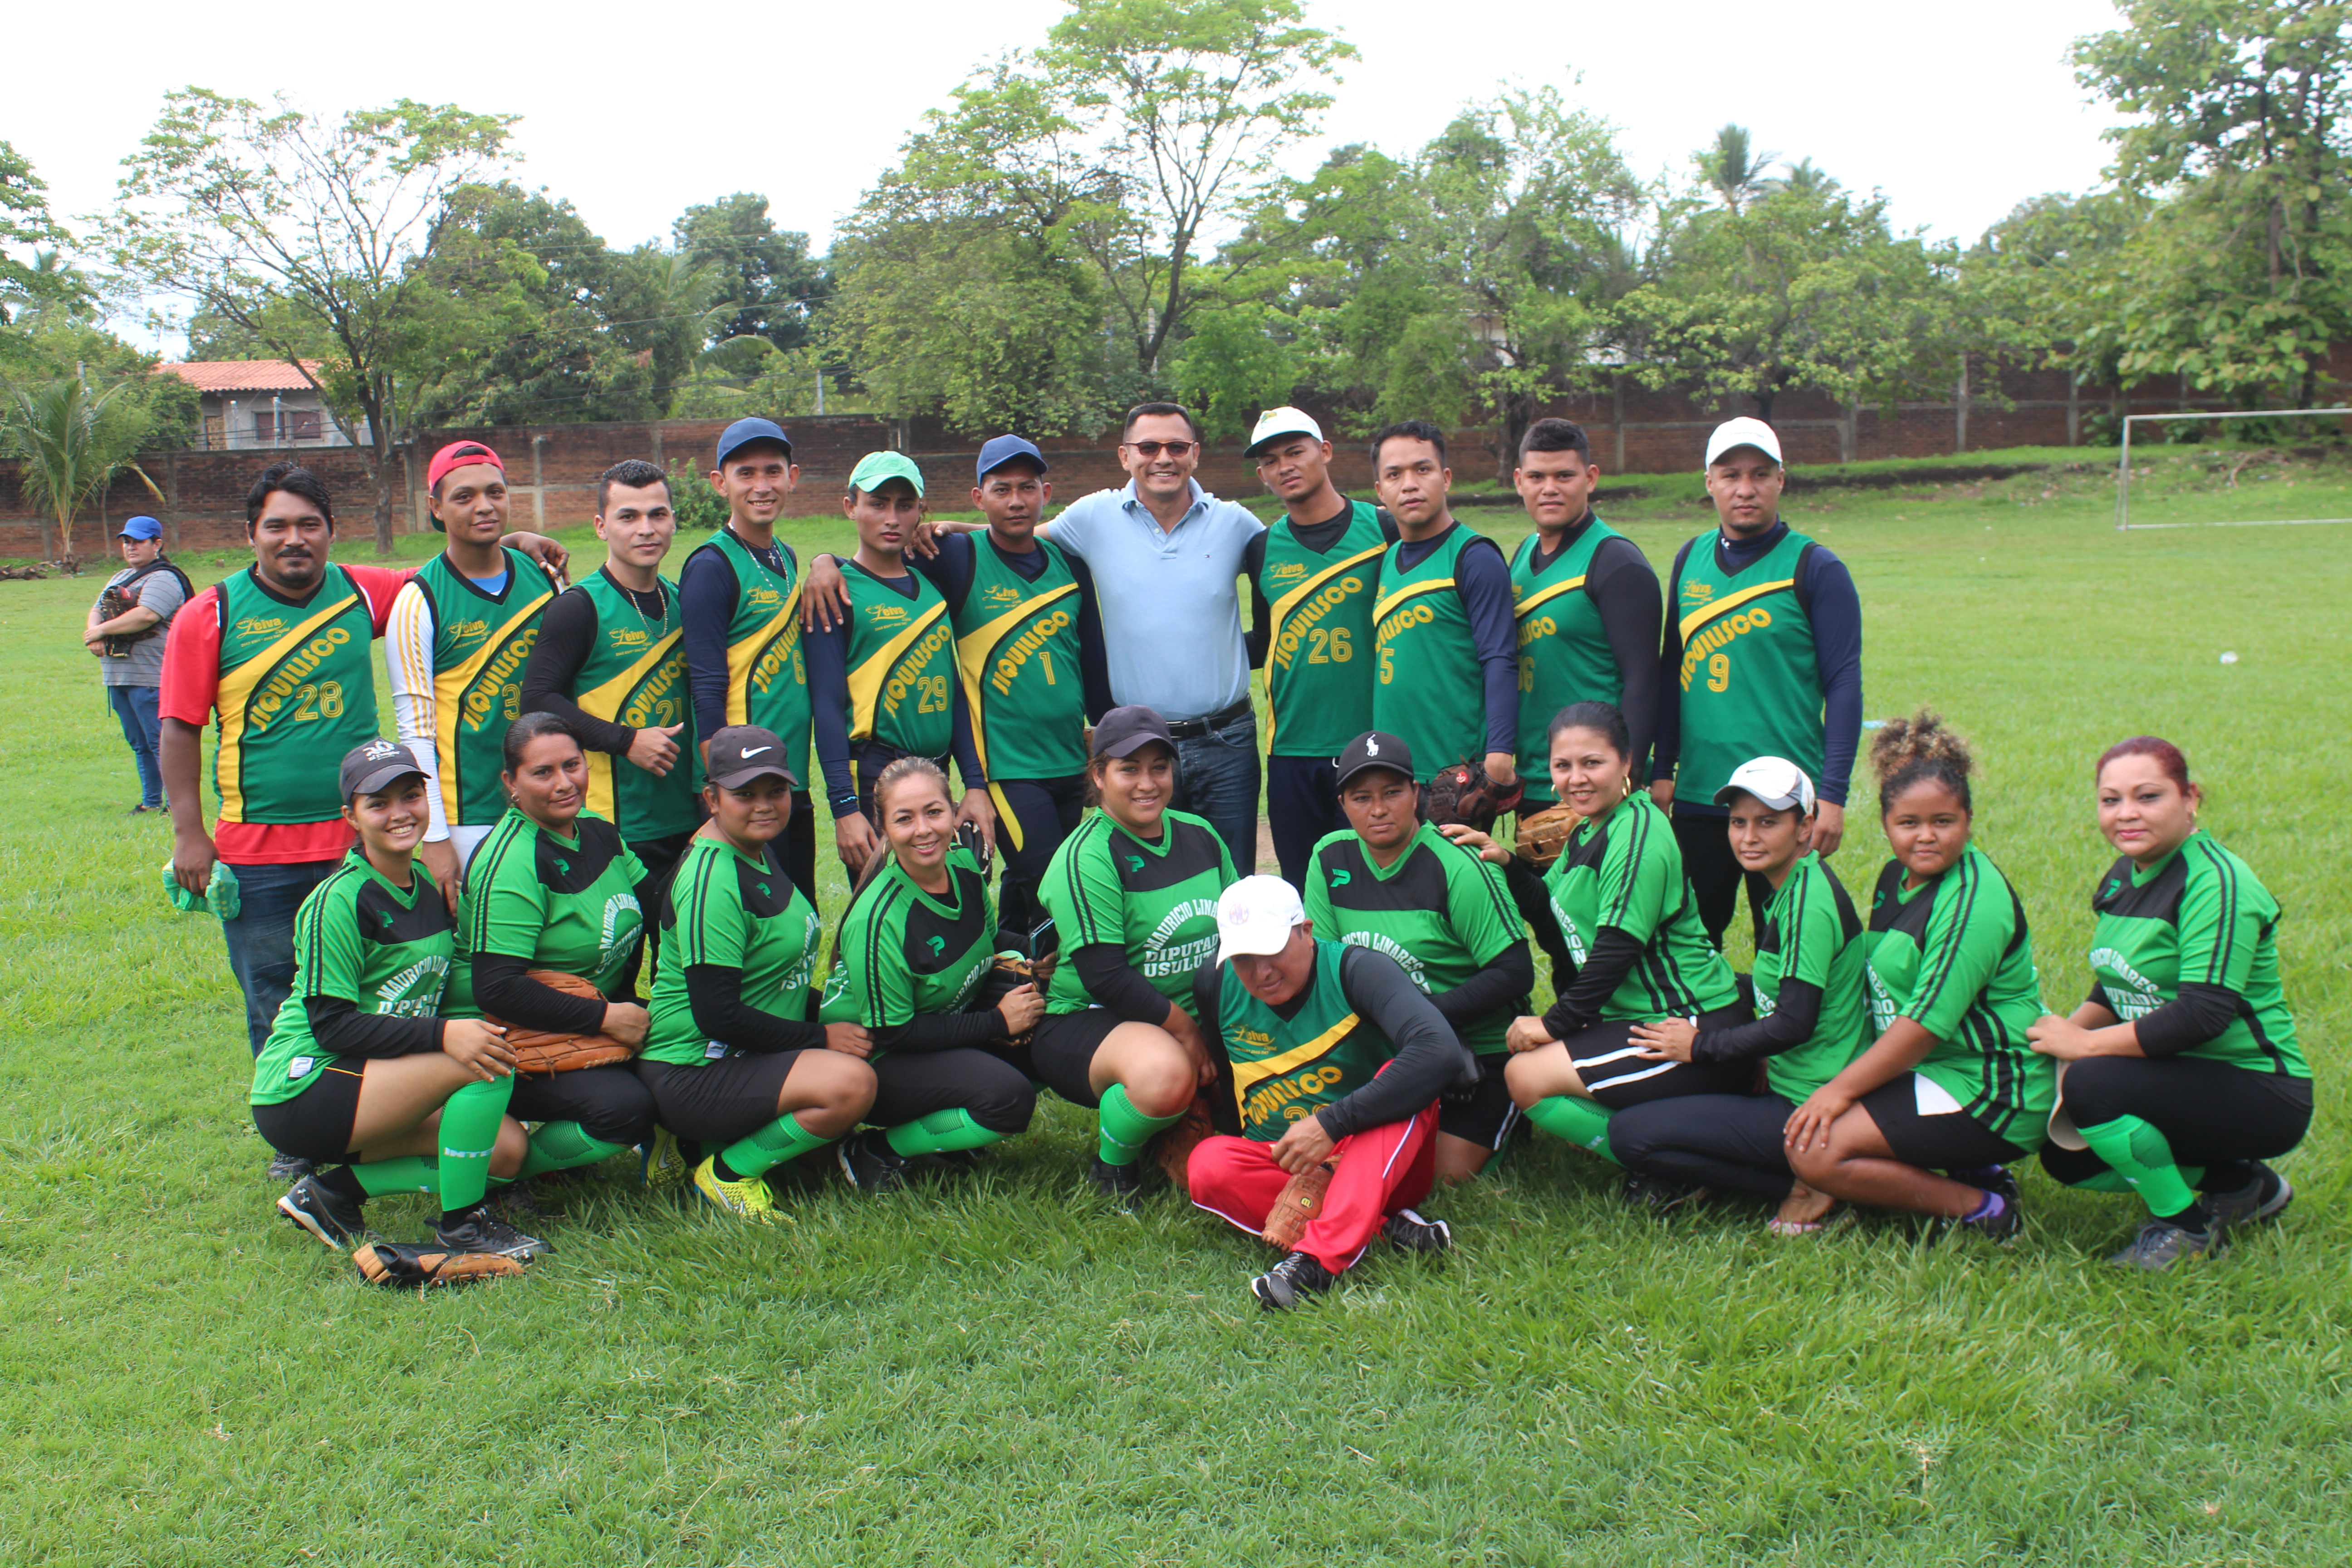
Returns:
(661, 604)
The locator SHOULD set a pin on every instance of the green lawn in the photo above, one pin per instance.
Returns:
(1008, 1373)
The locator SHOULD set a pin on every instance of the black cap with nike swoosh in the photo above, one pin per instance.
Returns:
(741, 753)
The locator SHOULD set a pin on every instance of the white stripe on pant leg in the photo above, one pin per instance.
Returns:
(1636, 1077)
(1251, 1230)
(1397, 1148)
(1511, 1120)
(1617, 1055)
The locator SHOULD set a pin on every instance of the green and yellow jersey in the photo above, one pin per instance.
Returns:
(634, 674)
(1016, 641)
(1954, 955)
(732, 911)
(1155, 899)
(1320, 650)
(556, 902)
(1750, 680)
(1438, 910)
(1287, 1069)
(901, 662)
(297, 690)
(903, 952)
(1426, 685)
(767, 669)
(474, 644)
(382, 949)
(1626, 870)
(1811, 934)
(1564, 653)
(2199, 916)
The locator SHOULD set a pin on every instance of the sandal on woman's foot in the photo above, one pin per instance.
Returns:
(1832, 1217)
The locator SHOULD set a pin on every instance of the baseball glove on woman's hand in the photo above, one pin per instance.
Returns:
(540, 1053)
(1464, 792)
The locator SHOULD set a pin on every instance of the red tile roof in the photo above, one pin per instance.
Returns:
(242, 374)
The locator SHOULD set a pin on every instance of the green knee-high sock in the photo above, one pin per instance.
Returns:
(1575, 1120)
(781, 1140)
(469, 1132)
(2141, 1156)
(940, 1132)
(1121, 1130)
(403, 1173)
(561, 1145)
(2117, 1182)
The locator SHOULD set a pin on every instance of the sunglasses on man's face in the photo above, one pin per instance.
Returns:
(1153, 449)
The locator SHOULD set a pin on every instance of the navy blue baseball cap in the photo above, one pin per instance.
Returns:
(1004, 449)
(140, 528)
(743, 432)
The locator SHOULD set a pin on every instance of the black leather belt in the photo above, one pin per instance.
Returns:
(1194, 729)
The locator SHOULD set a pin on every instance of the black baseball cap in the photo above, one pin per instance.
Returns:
(741, 753)
(1375, 749)
(1123, 731)
(373, 766)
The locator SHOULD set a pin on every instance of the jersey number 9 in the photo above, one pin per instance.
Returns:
(1718, 672)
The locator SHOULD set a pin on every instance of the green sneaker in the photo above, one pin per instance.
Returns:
(749, 1198)
(659, 1162)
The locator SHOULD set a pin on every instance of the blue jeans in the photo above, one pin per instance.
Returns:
(1216, 778)
(143, 728)
(261, 939)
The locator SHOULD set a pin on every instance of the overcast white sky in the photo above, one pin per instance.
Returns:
(1958, 114)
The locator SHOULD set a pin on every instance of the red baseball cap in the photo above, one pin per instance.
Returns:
(459, 455)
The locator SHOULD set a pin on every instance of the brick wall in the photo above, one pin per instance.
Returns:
(553, 469)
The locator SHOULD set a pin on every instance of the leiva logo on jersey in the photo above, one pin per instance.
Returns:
(1697, 592)
(256, 626)
(629, 637)
(1001, 597)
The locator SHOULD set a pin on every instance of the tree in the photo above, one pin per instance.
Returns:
(299, 230)
(1733, 171)
(70, 444)
(32, 270)
(2240, 279)
(763, 278)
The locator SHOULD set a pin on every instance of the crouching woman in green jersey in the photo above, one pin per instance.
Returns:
(1950, 1083)
(1133, 893)
(553, 887)
(2181, 1073)
(364, 1066)
(913, 951)
(1813, 1018)
(1628, 922)
(732, 1056)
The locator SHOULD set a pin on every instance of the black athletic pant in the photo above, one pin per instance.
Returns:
(1715, 874)
(911, 1085)
(1302, 805)
(1730, 1140)
(2212, 1114)
(799, 847)
(610, 1103)
(1046, 810)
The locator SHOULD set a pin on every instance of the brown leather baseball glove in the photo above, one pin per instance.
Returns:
(1007, 973)
(1174, 1145)
(540, 1053)
(1464, 793)
(1300, 1200)
(418, 1266)
(1541, 836)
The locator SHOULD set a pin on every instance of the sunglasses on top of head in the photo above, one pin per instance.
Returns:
(1153, 449)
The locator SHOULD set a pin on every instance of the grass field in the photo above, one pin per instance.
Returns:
(1006, 1373)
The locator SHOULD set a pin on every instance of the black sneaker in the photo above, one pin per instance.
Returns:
(1658, 1197)
(2160, 1245)
(963, 1162)
(2001, 1228)
(870, 1163)
(333, 1218)
(1291, 1281)
(520, 1204)
(1117, 1183)
(483, 1231)
(290, 1168)
(1408, 1232)
(2263, 1198)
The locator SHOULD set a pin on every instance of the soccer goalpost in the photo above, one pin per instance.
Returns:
(2123, 466)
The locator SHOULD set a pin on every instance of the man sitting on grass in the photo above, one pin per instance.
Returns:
(1334, 1056)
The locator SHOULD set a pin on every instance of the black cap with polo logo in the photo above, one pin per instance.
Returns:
(1375, 749)
(741, 753)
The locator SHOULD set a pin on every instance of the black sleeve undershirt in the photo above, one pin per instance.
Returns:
(2198, 1015)
(1613, 958)
(1796, 1014)
(1429, 1057)
(1260, 635)
(1117, 984)
(1625, 590)
(1534, 901)
(1094, 656)
(342, 1030)
(715, 994)
(1666, 730)
(943, 1031)
(504, 989)
(1483, 578)
(567, 634)
(1501, 986)
(706, 606)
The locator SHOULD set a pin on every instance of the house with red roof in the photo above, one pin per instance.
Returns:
(259, 402)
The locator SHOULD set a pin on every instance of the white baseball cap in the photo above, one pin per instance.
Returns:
(1777, 784)
(1255, 917)
(1742, 432)
(1283, 421)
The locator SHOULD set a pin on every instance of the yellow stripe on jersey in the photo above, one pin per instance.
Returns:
(448, 707)
(1291, 601)
(1724, 606)
(604, 702)
(1409, 591)
(1249, 1075)
(744, 656)
(974, 650)
(236, 688)
(866, 682)
(1553, 591)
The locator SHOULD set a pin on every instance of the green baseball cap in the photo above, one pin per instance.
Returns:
(875, 467)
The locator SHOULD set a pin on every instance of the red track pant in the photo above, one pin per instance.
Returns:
(1381, 1170)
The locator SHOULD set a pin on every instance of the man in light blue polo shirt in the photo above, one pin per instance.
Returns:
(1167, 562)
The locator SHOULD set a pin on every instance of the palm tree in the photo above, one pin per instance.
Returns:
(67, 452)
(1731, 169)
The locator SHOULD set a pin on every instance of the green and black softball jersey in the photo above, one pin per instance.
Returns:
(1954, 955)
(1287, 1069)
(1319, 653)
(732, 911)
(1564, 652)
(1442, 912)
(1157, 899)
(1017, 649)
(1750, 680)
(566, 904)
(903, 952)
(634, 675)
(1624, 871)
(382, 949)
(1811, 934)
(2199, 918)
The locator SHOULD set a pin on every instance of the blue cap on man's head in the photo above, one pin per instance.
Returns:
(1003, 449)
(141, 528)
(743, 432)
